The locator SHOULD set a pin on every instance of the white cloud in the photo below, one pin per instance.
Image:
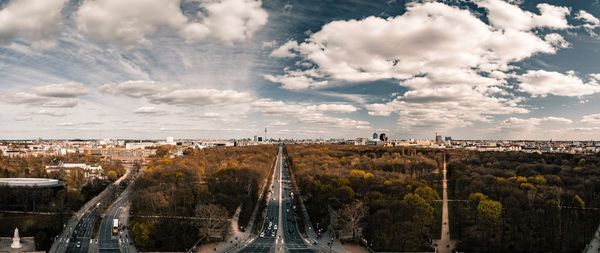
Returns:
(591, 22)
(525, 126)
(506, 16)
(542, 83)
(50, 113)
(62, 95)
(135, 89)
(35, 20)
(591, 119)
(132, 23)
(149, 110)
(200, 97)
(446, 107)
(433, 39)
(159, 93)
(61, 90)
(230, 20)
(296, 80)
(311, 114)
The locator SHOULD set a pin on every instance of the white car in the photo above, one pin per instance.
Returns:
(275, 227)
(262, 234)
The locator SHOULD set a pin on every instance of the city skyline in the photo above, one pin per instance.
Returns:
(484, 69)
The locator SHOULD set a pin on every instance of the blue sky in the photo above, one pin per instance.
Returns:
(480, 69)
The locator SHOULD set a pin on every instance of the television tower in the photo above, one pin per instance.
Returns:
(265, 134)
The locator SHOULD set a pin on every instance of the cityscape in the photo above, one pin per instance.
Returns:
(272, 126)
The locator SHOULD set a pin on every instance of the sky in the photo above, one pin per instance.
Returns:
(470, 69)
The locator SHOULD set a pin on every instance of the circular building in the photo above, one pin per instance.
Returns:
(31, 182)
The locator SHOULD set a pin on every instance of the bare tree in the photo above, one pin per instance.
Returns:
(213, 222)
(349, 221)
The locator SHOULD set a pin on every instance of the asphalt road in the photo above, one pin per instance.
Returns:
(280, 212)
(107, 242)
(82, 233)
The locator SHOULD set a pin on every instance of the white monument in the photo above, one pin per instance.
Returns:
(16, 241)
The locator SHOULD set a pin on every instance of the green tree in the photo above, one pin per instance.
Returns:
(141, 232)
(427, 193)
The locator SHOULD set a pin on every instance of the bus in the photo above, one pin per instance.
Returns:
(115, 228)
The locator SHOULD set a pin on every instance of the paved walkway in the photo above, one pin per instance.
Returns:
(445, 245)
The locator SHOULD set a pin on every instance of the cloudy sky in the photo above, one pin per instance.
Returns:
(471, 69)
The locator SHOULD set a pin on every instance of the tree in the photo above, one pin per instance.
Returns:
(350, 219)
(578, 201)
(141, 232)
(427, 193)
(490, 210)
(213, 221)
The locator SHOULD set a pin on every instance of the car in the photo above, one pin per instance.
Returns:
(78, 245)
(262, 234)
(270, 223)
(273, 234)
(275, 227)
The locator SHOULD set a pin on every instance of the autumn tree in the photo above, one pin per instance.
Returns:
(212, 221)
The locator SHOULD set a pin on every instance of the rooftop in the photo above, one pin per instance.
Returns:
(30, 182)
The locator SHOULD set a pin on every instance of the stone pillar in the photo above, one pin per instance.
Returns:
(16, 240)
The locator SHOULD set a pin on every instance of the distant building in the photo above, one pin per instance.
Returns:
(259, 138)
(438, 139)
(375, 136)
(170, 141)
(448, 138)
(88, 170)
(383, 137)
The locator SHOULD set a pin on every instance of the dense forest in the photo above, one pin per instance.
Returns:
(549, 202)
(211, 182)
(501, 201)
(383, 195)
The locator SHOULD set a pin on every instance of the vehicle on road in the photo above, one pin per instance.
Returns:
(262, 234)
(275, 227)
(115, 228)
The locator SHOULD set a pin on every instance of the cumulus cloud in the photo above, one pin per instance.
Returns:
(506, 16)
(433, 41)
(128, 22)
(315, 114)
(158, 93)
(61, 90)
(37, 21)
(591, 119)
(445, 107)
(200, 97)
(543, 83)
(135, 89)
(149, 110)
(513, 124)
(590, 20)
(50, 113)
(62, 95)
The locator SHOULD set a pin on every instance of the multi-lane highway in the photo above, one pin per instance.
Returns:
(107, 241)
(279, 231)
(80, 240)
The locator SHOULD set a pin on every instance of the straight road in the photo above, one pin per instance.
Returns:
(266, 240)
(107, 242)
(281, 212)
(445, 245)
(290, 214)
(80, 241)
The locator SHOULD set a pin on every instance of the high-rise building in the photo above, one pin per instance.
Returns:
(375, 136)
(438, 139)
(448, 138)
(383, 137)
